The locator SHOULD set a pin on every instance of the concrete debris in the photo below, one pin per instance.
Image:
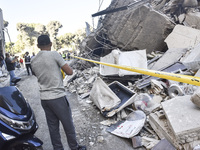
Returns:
(192, 19)
(161, 128)
(149, 143)
(108, 122)
(195, 98)
(132, 26)
(181, 90)
(144, 102)
(137, 141)
(100, 139)
(81, 82)
(192, 59)
(161, 35)
(184, 120)
(164, 61)
(183, 37)
(192, 145)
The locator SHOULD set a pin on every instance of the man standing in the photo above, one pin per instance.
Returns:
(28, 63)
(10, 66)
(46, 66)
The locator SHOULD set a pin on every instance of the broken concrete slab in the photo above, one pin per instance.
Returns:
(175, 54)
(132, 58)
(184, 120)
(190, 3)
(183, 37)
(192, 19)
(161, 128)
(132, 29)
(192, 59)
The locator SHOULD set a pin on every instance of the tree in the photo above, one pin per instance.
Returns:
(9, 47)
(28, 33)
(5, 23)
(53, 28)
(66, 40)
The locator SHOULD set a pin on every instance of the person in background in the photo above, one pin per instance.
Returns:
(2, 61)
(46, 66)
(68, 55)
(10, 63)
(21, 61)
(28, 63)
(64, 55)
(33, 55)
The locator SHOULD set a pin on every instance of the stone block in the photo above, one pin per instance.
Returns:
(183, 37)
(183, 118)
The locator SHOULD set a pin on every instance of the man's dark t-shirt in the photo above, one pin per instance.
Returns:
(10, 66)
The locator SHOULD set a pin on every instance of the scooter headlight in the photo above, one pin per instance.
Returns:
(19, 125)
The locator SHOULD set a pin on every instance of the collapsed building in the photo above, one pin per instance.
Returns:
(161, 35)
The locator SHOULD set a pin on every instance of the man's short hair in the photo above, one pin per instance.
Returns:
(7, 54)
(43, 40)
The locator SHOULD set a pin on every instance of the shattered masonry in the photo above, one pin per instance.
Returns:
(164, 35)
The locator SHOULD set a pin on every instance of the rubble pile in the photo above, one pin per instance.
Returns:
(160, 35)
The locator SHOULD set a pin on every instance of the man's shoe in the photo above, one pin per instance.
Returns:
(80, 147)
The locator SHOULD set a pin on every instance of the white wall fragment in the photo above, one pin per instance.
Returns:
(131, 58)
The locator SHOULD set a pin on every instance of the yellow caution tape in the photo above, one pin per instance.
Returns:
(63, 74)
(160, 74)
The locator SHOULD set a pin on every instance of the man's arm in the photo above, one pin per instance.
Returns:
(14, 60)
(67, 69)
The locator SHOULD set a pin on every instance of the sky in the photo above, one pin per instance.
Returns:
(72, 14)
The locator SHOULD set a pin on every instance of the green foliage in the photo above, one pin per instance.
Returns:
(28, 33)
(14, 48)
(9, 46)
(71, 40)
(53, 28)
(66, 39)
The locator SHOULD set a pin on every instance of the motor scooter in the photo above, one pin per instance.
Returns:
(17, 121)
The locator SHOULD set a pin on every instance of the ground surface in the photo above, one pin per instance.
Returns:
(86, 117)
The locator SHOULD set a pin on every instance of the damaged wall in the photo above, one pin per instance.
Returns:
(143, 28)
